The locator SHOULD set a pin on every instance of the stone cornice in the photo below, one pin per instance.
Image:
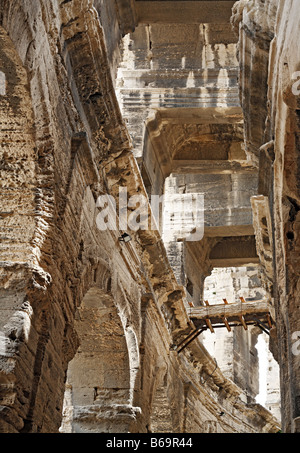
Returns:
(127, 15)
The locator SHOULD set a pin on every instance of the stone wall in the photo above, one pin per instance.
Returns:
(75, 300)
(166, 66)
(268, 44)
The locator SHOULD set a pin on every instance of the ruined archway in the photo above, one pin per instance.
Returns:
(101, 375)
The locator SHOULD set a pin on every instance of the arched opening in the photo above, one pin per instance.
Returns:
(243, 355)
(100, 376)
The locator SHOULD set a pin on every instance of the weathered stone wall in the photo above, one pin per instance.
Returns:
(175, 66)
(74, 299)
(268, 43)
(226, 215)
(53, 90)
(180, 134)
(256, 31)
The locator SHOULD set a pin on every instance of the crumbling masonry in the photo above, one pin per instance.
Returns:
(153, 98)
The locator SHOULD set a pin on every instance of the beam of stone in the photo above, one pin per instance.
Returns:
(234, 262)
(184, 12)
(211, 167)
(193, 115)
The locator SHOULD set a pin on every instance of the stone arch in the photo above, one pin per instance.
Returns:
(101, 376)
(286, 196)
(203, 140)
(208, 141)
(98, 274)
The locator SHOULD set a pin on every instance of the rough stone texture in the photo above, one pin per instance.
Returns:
(176, 66)
(255, 31)
(88, 323)
(268, 41)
